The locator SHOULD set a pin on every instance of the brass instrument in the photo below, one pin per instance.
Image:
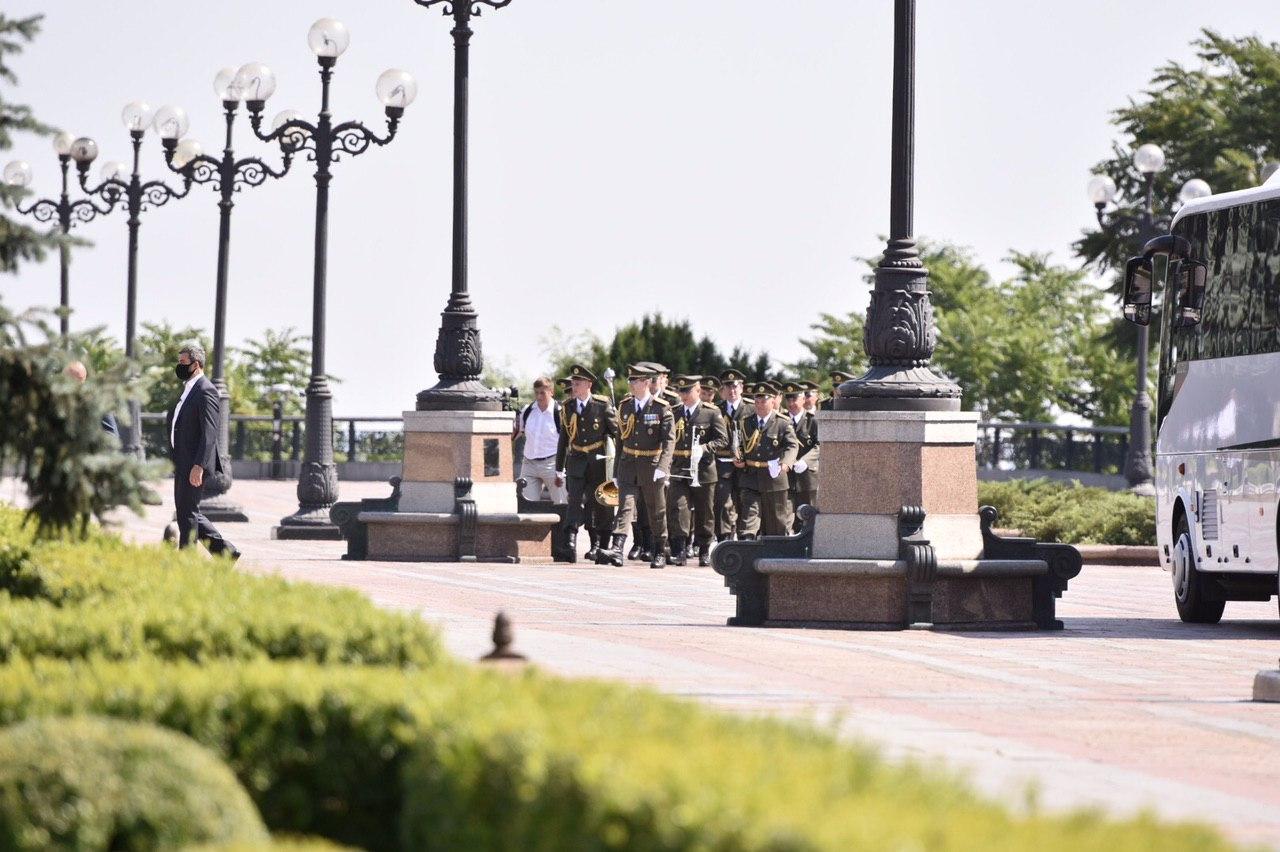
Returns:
(607, 491)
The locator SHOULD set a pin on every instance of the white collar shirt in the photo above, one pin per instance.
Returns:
(762, 422)
(540, 437)
(173, 427)
(580, 405)
(642, 402)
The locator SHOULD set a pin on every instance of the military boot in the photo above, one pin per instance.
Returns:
(571, 545)
(613, 555)
(637, 541)
(659, 559)
(646, 545)
(677, 551)
(704, 554)
(595, 545)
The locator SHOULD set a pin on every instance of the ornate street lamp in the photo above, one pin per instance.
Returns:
(121, 184)
(1149, 160)
(227, 176)
(327, 143)
(66, 212)
(900, 336)
(459, 358)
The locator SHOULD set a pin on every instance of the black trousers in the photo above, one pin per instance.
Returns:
(583, 509)
(193, 526)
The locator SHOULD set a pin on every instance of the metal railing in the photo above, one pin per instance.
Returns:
(261, 437)
(1051, 446)
(1001, 446)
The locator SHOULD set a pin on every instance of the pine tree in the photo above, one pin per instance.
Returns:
(18, 242)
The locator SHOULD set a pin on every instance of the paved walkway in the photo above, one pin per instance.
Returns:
(1126, 709)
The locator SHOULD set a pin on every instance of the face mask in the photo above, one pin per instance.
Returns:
(182, 371)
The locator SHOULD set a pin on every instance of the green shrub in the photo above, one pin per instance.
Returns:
(479, 760)
(111, 599)
(86, 783)
(1071, 513)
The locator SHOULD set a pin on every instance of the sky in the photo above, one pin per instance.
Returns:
(724, 161)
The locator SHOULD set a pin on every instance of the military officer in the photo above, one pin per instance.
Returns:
(658, 384)
(838, 377)
(646, 442)
(709, 388)
(690, 499)
(766, 452)
(589, 424)
(804, 474)
(732, 408)
(812, 396)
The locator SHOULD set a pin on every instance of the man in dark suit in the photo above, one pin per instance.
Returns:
(193, 434)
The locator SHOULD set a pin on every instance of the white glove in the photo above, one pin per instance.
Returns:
(775, 467)
(801, 466)
(659, 475)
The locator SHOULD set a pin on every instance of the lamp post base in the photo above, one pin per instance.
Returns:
(307, 525)
(222, 509)
(895, 388)
(464, 395)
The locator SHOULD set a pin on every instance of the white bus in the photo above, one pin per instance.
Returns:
(1218, 402)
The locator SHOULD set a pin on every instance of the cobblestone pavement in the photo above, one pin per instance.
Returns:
(1126, 709)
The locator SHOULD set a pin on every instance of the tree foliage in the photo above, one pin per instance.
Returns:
(1026, 349)
(51, 431)
(18, 243)
(1217, 119)
(278, 359)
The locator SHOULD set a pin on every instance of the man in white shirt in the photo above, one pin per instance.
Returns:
(539, 421)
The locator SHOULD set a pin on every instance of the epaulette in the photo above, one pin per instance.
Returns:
(661, 401)
(712, 406)
(600, 397)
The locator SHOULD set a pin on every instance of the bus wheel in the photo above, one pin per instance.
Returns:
(1188, 582)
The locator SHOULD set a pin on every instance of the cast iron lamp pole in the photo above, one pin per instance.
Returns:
(900, 336)
(459, 359)
(119, 184)
(327, 142)
(68, 214)
(1149, 161)
(227, 175)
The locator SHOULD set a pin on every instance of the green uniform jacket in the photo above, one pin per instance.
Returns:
(646, 442)
(732, 424)
(713, 435)
(583, 439)
(776, 441)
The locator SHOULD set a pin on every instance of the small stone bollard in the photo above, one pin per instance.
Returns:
(503, 638)
(1266, 686)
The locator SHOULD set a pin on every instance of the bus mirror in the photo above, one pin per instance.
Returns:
(1190, 278)
(1169, 244)
(1137, 290)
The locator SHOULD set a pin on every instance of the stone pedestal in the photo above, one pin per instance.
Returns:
(896, 539)
(456, 499)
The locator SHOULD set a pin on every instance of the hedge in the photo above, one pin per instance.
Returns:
(107, 598)
(482, 760)
(1070, 512)
(86, 783)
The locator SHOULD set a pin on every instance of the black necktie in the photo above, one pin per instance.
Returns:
(581, 405)
(760, 424)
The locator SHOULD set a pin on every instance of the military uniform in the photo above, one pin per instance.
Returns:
(766, 507)
(838, 377)
(587, 429)
(691, 497)
(646, 443)
(804, 476)
(728, 508)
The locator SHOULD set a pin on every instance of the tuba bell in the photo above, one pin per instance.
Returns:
(607, 494)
